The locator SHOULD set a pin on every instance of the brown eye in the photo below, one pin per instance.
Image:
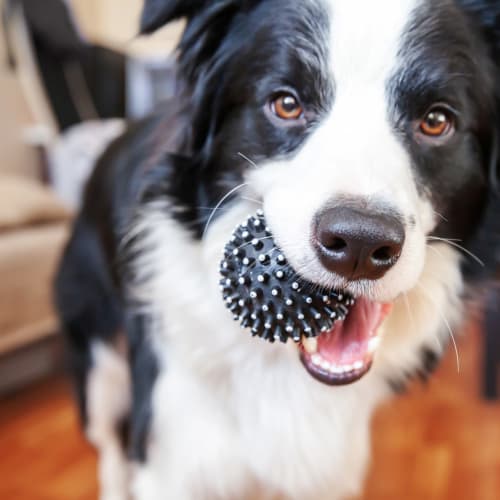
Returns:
(437, 123)
(287, 107)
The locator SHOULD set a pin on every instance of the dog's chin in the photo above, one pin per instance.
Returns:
(345, 353)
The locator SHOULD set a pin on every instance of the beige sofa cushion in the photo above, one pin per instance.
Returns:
(24, 202)
(28, 259)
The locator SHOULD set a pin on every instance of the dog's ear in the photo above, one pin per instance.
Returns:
(495, 163)
(487, 15)
(157, 13)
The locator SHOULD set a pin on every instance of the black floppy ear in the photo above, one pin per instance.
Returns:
(495, 164)
(487, 15)
(157, 13)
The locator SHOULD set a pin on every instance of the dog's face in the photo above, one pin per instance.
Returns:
(364, 128)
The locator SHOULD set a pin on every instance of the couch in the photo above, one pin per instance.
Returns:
(34, 227)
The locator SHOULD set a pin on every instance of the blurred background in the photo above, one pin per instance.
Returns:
(72, 72)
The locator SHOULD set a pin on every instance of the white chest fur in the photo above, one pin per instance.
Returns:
(231, 413)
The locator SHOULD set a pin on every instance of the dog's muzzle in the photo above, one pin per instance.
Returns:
(336, 334)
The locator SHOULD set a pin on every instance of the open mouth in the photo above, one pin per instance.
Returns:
(345, 353)
(337, 336)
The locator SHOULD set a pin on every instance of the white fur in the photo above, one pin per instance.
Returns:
(108, 402)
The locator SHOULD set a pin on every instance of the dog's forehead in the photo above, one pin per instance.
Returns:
(366, 36)
(350, 41)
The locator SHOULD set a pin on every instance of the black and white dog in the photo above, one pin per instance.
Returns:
(367, 132)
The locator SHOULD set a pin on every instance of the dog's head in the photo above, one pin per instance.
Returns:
(367, 130)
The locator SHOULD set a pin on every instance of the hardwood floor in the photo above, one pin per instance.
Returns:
(439, 442)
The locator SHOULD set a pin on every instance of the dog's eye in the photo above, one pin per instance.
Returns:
(438, 122)
(287, 107)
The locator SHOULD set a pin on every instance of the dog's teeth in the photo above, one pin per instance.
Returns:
(316, 360)
(358, 365)
(326, 365)
(373, 344)
(310, 344)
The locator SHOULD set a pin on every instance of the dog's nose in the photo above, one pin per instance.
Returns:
(357, 244)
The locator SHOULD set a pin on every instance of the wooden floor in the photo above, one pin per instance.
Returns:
(441, 442)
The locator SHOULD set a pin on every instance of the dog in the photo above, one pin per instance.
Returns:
(367, 133)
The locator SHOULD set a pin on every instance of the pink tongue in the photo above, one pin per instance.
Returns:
(352, 340)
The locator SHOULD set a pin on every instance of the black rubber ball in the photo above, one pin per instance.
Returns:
(266, 295)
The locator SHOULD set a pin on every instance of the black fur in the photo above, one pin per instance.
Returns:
(86, 300)
(89, 294)
(144, 370)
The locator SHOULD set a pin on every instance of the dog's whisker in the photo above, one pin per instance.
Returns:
(446, 322)
(453, 243)
(435, 238)
(441, 216)
(251, 242)
(412, 318)
(246, 198)
(222, 200)
(212, 208)
(408, 308)
(255, 262)
(248, 160)
(435, 250)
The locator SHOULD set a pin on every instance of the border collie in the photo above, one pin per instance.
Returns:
(367, 133)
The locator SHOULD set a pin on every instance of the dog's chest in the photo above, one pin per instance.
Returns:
(226, 425)
(231, 412)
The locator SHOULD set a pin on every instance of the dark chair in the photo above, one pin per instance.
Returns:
(80, 80)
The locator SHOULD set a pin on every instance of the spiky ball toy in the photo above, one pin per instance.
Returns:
(265, 294)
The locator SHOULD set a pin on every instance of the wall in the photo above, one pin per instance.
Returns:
(116, 22)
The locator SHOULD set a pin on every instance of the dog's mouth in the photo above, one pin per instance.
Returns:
(345, 353)
(337, 336)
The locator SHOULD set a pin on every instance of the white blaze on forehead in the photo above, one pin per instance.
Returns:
(365, 37)
(357, 142)
(355, 151)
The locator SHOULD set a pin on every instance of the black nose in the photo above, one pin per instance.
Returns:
(357, 244)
